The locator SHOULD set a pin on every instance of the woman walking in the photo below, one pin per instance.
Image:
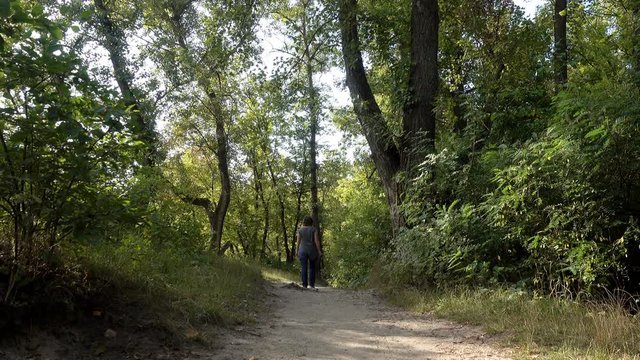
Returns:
(308, 251)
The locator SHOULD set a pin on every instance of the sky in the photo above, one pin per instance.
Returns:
(529, 6)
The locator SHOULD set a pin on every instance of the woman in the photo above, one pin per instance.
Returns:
(308, 251)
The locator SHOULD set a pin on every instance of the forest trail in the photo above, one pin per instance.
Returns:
(349, 325)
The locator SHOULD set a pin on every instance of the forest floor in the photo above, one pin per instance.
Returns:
(344, 324)
(295, 323)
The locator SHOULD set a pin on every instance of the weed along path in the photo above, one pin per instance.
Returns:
(341, 324)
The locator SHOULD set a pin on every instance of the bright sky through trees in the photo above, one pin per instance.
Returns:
(529, 6)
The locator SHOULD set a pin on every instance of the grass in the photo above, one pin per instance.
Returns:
(280, 275)
(542, 327)
(182, 291)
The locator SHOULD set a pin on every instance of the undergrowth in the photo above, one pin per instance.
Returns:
(180, 291)
(280, 275)
(552, 328)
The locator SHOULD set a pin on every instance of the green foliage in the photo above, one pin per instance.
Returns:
(357, 229)
(556, 215)
(65, 148)
(455, 246)
(183, 290)
(530, 184)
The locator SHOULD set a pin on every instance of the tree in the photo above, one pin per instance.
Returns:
(113, 39)
(206, 55)
(64, 140)
(391, 155)
(560, 54)
(308, 24)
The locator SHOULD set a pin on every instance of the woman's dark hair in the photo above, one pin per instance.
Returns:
(307, 221)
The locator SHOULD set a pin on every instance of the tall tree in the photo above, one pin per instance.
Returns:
(635, 39)
(389, 155)
(308, 23)
(207, 47)
(113, 39)
(560, 55)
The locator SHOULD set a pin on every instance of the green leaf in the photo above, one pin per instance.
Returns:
(56, 32)
(37, 10)
(563, 12)
(86, 15)
(595, 133)
(5, 9)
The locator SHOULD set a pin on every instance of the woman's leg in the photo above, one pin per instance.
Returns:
(303, 269)
(312, 272)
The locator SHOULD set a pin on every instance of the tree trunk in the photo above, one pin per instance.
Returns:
(313, 111)
(224, 198)
(419, 120)
(115, 43)
(635, 41)
(384, 152)
(560, 55)
(314, 117)
(258, 178)
(282, 208)
(388, 158)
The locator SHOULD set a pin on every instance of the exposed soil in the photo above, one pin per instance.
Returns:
(342, 324)
(78, 325)
(324, 324)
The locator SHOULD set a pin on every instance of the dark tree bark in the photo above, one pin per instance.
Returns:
(560, 55)
(419, 122)
(113, 39)
(389, 158)
(308, 56)
(384, 152)
(635, 43)
(259, 189)
(282, 210)
(224, 198)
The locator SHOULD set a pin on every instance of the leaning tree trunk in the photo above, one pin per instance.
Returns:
(418, 119)
(385, 154)
(115, 43)
(560, 55)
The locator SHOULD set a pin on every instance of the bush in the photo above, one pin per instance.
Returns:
(358, 231)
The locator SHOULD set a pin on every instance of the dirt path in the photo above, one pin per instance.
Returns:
(350, 325)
